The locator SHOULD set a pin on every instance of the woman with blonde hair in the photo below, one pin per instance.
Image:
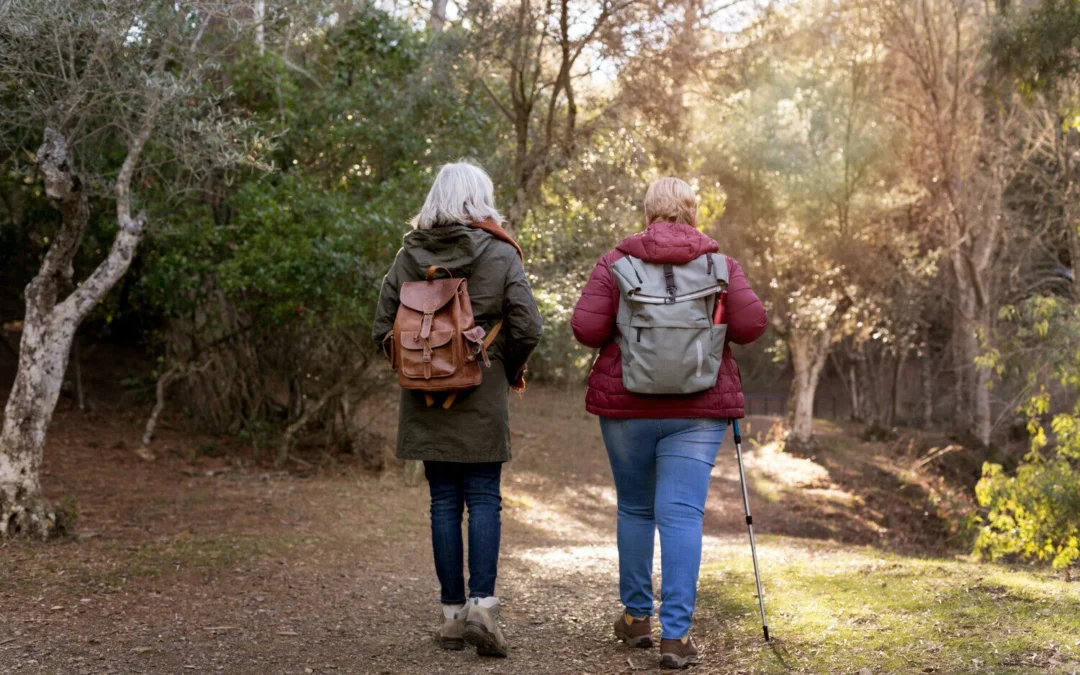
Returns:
(463, 445)
(661, 308)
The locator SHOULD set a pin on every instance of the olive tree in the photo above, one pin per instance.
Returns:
(114, 96)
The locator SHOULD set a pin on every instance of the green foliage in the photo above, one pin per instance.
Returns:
(808, 160)
(293, 252)
(1035, 514)
(105, 71)
(1040, 48)
(584, 211)
(269, 281)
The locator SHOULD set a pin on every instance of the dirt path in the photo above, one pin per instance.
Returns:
(195, 565)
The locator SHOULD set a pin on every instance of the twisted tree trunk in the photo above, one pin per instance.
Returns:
(49, 329)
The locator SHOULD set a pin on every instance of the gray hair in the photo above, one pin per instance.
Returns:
(462, 193)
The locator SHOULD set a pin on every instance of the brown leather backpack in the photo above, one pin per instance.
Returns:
(436, 345)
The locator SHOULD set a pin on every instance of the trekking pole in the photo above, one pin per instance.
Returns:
(750, 527)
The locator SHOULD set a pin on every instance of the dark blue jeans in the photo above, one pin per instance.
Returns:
(455, 485)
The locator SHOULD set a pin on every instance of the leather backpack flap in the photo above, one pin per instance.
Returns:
(424, 296)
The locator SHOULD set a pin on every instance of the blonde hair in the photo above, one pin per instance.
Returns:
(462, 193)
(670, 200)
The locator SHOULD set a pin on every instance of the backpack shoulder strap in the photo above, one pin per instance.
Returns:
(494, 333)
(434, 269)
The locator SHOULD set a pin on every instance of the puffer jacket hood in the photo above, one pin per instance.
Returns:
(673, 243)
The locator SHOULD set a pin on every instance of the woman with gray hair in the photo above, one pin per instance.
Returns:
(464, 445)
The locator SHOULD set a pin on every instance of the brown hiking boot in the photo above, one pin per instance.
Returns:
(678, 653)
(634, 632)
(482, 628)
(451, 633)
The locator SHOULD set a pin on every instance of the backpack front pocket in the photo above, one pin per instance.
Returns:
(669, 360)
(430, 358)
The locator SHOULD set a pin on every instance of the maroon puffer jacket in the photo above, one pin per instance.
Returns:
(594, 326)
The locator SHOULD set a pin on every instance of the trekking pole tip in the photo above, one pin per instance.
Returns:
(765, 629)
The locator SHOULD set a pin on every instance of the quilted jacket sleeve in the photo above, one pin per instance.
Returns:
(746, 316)
(594, 316)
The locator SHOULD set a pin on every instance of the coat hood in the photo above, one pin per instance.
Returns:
(668, 243)
(455, 247)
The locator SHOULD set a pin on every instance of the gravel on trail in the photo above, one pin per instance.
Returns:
(202, 564)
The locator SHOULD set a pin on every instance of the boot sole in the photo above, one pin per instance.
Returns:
(484, 640)
(673, 662)
(454, 644)
(639, 642)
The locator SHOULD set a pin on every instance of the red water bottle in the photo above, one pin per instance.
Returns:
(718, 313)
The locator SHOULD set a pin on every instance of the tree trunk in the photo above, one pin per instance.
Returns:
(49, 328)
(80, 394)
(982, 425)
(856, 400)
(260, 26)
(868, 394)
(894, 403)
(961, 418)
(150, 430)
(973, 419)
(927, 377)
(293, 430)
(438, 16)
(42, 361)
(809, 352)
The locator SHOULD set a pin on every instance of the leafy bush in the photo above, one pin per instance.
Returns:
(1035, 514)
(268, 283)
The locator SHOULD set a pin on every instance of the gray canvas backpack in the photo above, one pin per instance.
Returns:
(668, 341)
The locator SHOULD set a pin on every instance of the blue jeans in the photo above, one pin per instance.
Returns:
(661, 469)
(453, 486)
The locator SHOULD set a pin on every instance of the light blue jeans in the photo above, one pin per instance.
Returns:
(661, 469)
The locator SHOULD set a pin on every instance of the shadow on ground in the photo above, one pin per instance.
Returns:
(218, 564)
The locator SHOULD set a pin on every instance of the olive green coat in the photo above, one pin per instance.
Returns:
(477, 427)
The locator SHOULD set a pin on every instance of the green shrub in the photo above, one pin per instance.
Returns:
(1035, 514)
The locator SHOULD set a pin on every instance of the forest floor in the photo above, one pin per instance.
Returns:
(208, 561)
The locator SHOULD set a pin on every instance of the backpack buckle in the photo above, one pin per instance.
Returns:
(669, 279)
